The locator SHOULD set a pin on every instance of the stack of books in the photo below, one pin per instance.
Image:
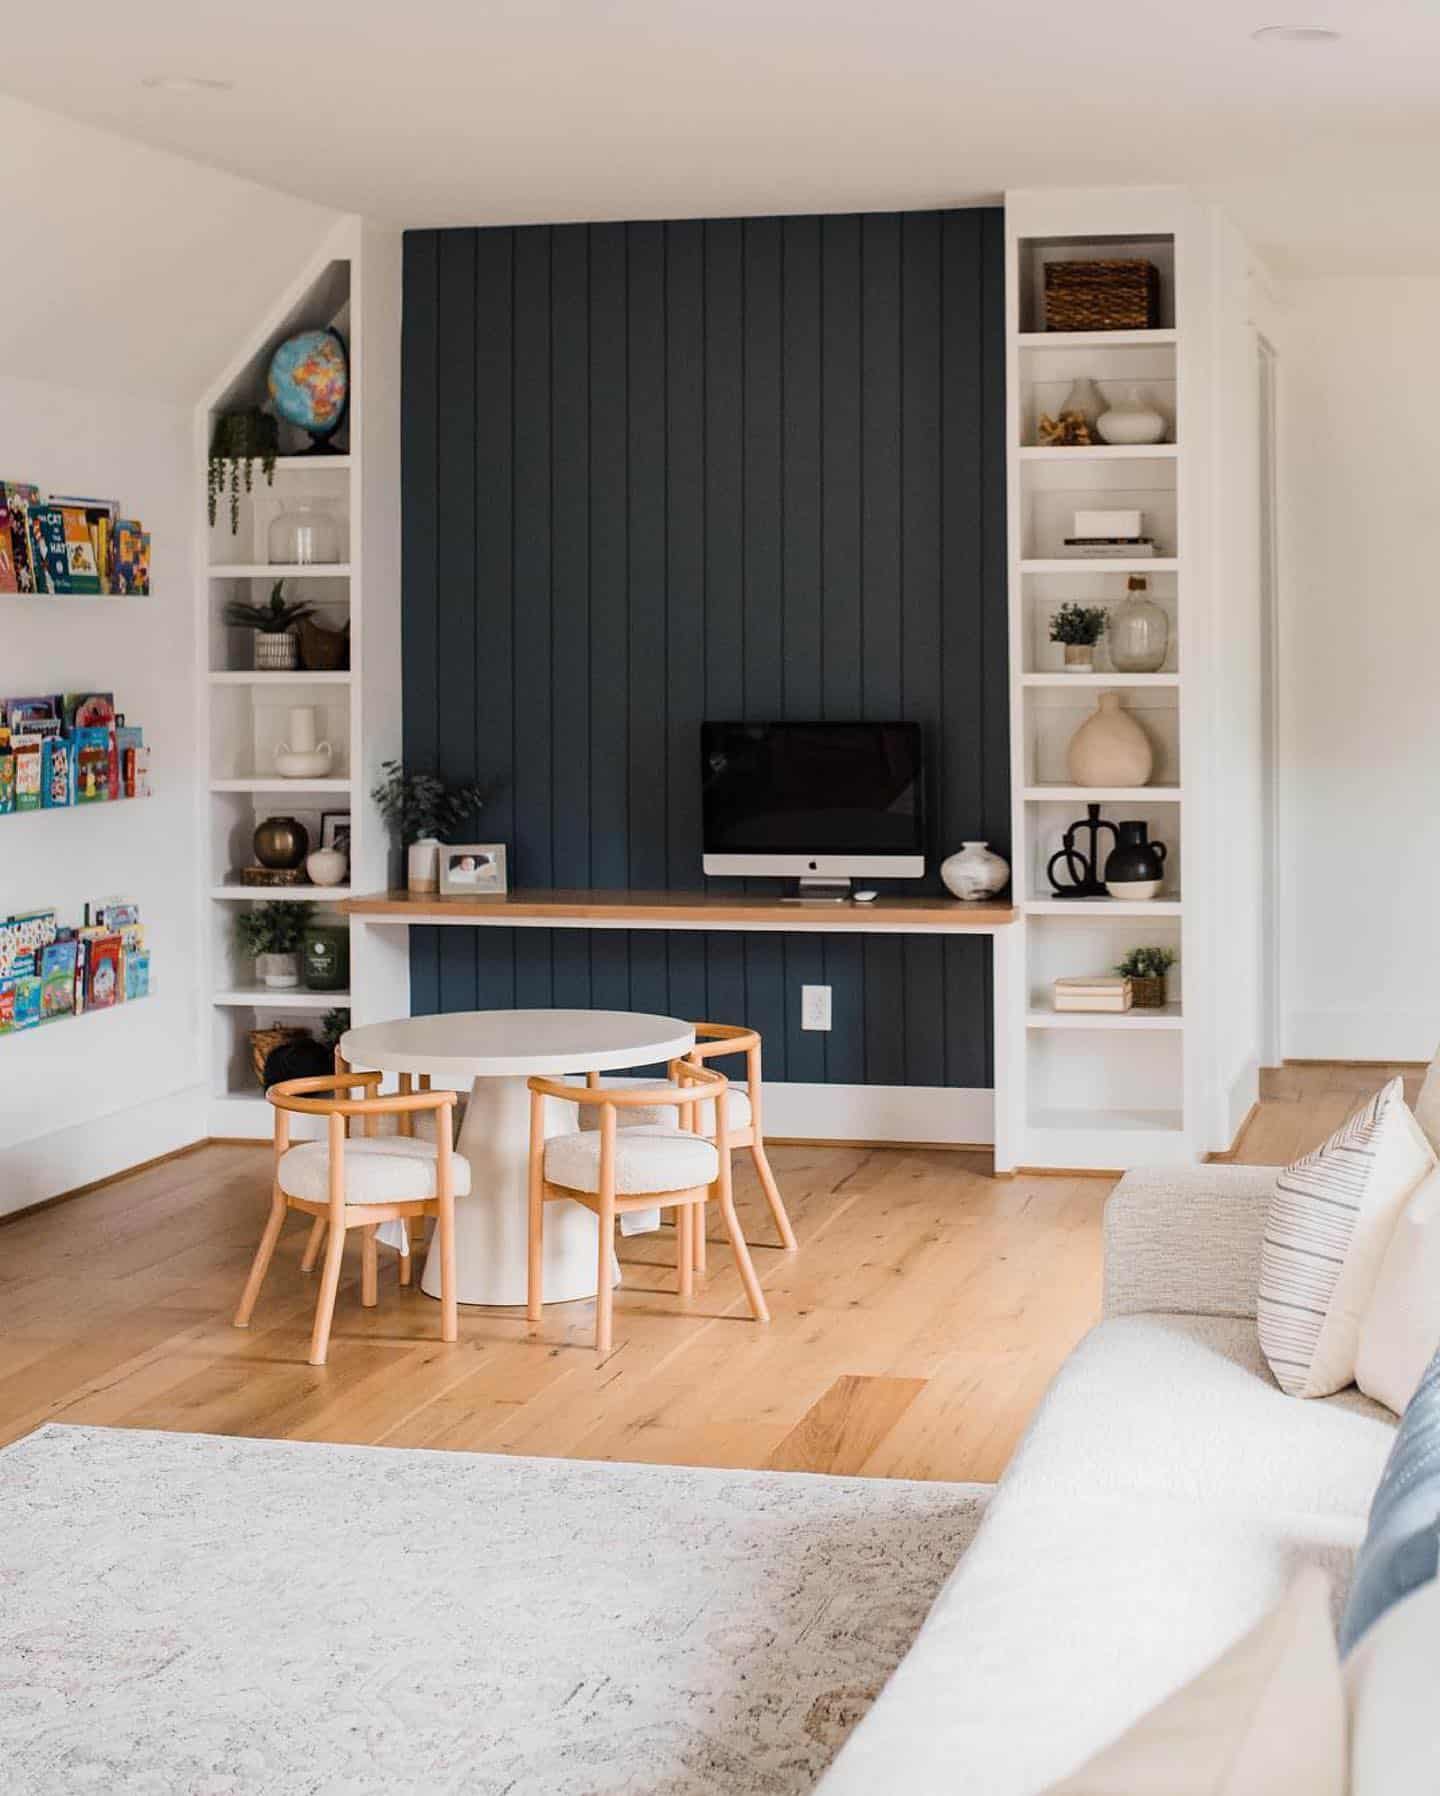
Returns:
(69, 544)
(49, 971)
(1102, 533)
(1094, 991)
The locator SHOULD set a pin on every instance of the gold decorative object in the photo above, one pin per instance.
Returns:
(1068, 431)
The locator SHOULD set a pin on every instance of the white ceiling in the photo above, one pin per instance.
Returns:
(489, 111)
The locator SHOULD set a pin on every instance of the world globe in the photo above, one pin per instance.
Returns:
(309, 382)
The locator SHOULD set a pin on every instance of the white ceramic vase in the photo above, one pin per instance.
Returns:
(422, 866)
(1110, 748)
(1133, 421)
(326, 867)
(278, 972)
(975, 872)
(300, 756)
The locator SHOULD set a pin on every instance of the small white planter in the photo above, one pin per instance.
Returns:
(278, 972)
(422, 866)
(276, 651)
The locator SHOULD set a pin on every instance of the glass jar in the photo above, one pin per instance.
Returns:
(1137, 631)
(304, 535)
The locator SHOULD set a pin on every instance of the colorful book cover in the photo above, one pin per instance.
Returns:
(19, 497)
(7, 1006)
(9, 581)
(103, 985)
(142, 565)
(7, 783)
(57, 979)
(27, 1001)
(82, 709)
(92, 765)
(58, 774)
(27, 933)
(29, 772)
(116, 913)
(49, 551)
(137, 974)
(82, 973)
(125, 557)
(34, 716)
(81, 570)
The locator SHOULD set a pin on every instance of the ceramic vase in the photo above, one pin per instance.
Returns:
(278, 972)
(1110, 748)
(300, 756)
(281, 843)
(326, 867)
(1133, 420)
(975, 872)
(422, 866)
(1136, 866)
(1079, 657)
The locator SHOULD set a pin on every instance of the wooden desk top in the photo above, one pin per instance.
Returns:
(682, 910)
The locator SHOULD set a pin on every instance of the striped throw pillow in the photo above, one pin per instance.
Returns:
(1330, 1222)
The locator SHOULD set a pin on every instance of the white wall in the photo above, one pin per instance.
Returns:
(81, 1099)
(1360, 667)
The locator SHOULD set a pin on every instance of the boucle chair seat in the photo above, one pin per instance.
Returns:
(388, 1169)
(646, 1159)
(738, 1113)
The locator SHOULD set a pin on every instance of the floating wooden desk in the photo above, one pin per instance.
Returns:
(682, 910)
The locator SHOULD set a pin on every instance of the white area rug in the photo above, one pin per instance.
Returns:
(217, 1617)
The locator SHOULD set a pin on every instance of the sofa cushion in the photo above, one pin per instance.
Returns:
(1427, 1104)
(1162, 1502)
(1266, 1719)
(1329, 1226)
(1401, 1329)
(1402, 1542)
(1390, 1690)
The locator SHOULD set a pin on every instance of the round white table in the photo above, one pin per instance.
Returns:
(497, 1051)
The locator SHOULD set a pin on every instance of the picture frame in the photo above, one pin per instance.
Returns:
(473, 870)
(335, 831)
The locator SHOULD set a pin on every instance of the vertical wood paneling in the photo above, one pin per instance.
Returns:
(654, 473)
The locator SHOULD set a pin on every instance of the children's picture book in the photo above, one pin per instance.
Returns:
(58, 773)
(34, 716)
(82, 709)
(49, 551)
(18, 498)
(7, 783)
(82, 570)
(57, 979)
(103, 983)
(137, 974)
(92, 765)
(25, 934)
(9, 580)
(29, 772)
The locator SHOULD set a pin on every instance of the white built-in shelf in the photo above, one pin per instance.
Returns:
(1089, 908)
(1100, 452)
(1043, 1016)
(1125, 1122)
(307, 464)
(1084, 680)
(289, 894)
(1100, 564)
(274, 783)
(297, 677)
(276, 570)
(1101, 794)
(263, 997)
(1095, 339)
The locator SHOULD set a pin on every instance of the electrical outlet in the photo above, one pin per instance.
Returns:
(814, 1006)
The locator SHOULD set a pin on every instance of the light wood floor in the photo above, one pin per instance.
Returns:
(914, 1331)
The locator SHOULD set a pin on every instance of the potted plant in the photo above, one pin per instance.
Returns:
(276, 647)
(422, 810)
(240, 440)
(1079, 628)
(1146, 968)
(271, 934)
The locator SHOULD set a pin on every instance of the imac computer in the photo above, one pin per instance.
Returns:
(822, 803)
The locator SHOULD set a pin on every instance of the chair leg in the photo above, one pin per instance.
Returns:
(406, 1258)
(744, 1264)
(449, 1312)
(604, 1289)
(697, 1236)
(535, 1215)
(314, 1244)
(772, 1195)
(369, 1268)
(264, 1253)
(325, 1302)
(685, 1248)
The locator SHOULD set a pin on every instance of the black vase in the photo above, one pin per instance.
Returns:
(1135, 860)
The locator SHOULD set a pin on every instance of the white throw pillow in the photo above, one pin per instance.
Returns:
(1390, 1689)
(1401, 1330)
(1427, 1105)
(1266, 1719)
(1330, 1222)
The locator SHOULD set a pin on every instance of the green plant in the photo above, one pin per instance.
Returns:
(1147, 963)
(1081, 625)
(420, 805)
(274, 928)
(240, 440)
(273, 619)
(333, 1025)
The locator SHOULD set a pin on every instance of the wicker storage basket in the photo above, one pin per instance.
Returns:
(1147, 994)
(1101, 296)
(263, 1043)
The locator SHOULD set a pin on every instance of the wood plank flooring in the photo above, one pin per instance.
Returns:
(914, 1331)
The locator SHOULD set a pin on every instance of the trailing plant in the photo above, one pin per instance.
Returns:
(273, 619)
(274, 928)
(1078, 625)
(419, 805)
(1147, 963)
(333, 1025)
(240, 440)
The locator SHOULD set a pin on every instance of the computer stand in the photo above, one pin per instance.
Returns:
(818, 891)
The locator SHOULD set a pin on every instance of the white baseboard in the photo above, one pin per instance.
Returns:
(945, 1115)
(98, 1148)
(1240, 1100)
(1361, 1035)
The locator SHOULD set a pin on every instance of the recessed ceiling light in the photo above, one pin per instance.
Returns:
(1295, 34)
(187, 84)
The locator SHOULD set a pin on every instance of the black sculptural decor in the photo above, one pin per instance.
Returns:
(1083, 866)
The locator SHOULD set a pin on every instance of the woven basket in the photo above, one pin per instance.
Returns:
(1101, 296)
(263, 1043)
(1147, 994)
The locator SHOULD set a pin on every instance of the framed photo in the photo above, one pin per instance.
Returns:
(335, 831)
(472, 869)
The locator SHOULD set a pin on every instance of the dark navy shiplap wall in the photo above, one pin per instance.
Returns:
(739, 468)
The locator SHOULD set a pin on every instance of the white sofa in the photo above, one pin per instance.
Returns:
(1161, 1501)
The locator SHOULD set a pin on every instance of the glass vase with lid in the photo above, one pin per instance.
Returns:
(1137, 631)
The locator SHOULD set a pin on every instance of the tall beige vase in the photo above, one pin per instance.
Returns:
(1110, 748)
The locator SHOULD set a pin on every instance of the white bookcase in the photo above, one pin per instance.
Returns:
(354, 285)
(1143, 1087)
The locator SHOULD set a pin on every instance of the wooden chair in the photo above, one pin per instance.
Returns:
(714, 1041)
(359, 1184)
(612, 1170)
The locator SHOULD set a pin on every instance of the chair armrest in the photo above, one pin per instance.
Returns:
(1186, 1240)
